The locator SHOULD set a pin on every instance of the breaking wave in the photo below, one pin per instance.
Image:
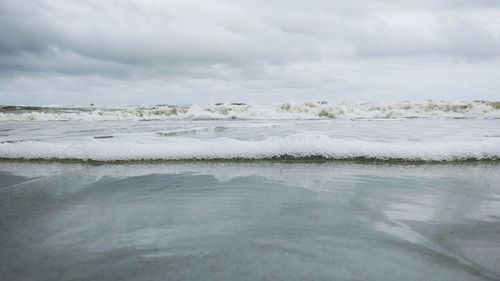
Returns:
(308, 110)
(297, 146)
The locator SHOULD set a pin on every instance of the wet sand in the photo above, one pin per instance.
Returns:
(249, 221)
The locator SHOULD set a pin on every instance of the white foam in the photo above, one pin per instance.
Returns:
(298, 145)
(308, 110)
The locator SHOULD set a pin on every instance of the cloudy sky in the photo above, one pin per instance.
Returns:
(183, 51)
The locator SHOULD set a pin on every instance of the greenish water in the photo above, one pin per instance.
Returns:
(249, 221)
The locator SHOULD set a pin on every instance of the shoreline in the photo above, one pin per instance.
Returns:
(286, 159)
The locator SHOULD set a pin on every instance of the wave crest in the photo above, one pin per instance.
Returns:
(308, 110)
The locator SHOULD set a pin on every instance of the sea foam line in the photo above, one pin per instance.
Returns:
(300, 146)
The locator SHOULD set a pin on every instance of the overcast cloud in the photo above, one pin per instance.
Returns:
(181, 51)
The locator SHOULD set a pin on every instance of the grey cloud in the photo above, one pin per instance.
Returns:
(239, 46)
(234, 32)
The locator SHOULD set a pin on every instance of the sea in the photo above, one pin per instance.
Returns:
(233, 191)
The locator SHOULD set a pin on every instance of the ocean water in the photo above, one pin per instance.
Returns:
(306, 110)
(400, 131)
(312, 191)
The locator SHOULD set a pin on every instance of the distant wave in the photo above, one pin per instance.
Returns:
(308, 110)
(297, 146)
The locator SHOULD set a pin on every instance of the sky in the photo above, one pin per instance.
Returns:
(131, 52)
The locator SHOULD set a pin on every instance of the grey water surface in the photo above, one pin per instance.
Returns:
(249, 221)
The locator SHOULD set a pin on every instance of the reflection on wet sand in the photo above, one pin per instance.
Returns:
(247, 221)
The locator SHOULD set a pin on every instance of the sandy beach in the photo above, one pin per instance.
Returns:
(249, 220)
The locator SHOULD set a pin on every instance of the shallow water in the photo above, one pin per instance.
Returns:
(249, 221)
(409, 139)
